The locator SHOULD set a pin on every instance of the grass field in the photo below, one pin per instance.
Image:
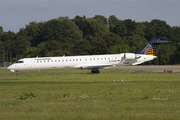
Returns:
(79, 95)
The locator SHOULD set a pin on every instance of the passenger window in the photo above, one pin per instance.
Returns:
(66, 60)
(101, 58)
(59, 60)
(55, 60)
(80, 59)
(94, 58)
(63, 60)
(105, 58)
(44, 61)
(85, 59)
(97, 58)
(51, 60)
(76, 59)
(37, 61)
(73, 59)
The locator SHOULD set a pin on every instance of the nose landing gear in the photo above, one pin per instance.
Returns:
(17, 73)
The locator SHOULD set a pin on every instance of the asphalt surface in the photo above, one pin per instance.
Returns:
(149, 68)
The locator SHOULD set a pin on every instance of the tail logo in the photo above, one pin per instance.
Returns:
(152, 47)
(151, 50)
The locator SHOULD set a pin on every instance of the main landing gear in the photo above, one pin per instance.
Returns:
(95, 71)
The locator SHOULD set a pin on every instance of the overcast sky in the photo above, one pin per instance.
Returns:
(15, 14)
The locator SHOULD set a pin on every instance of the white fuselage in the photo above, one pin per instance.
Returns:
(82, 62)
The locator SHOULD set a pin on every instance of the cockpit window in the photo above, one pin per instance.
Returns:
(19, 61)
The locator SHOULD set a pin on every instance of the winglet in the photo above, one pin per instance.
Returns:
(151, 48)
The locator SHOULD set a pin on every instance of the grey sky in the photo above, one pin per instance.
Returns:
(15, 14)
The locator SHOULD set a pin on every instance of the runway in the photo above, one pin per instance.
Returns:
(172, 68)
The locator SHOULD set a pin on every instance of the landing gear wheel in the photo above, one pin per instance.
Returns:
(95, 71)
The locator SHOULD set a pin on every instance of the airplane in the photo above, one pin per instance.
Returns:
(93, 62)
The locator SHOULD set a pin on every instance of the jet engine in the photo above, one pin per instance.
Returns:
(129, 56)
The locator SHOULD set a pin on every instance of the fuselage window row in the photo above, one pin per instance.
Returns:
(75, 60)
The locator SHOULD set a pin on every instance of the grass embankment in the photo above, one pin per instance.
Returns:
(76, 94)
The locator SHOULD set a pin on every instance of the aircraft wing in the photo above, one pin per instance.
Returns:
(95, 66)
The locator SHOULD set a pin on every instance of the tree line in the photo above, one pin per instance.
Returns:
(89, 36)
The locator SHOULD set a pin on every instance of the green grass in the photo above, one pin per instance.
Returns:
(77, 94)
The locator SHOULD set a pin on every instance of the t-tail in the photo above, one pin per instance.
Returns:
(152, 47)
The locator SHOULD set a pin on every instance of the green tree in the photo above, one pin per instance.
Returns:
(177, 54)
(112, 20)
(101, 17)
(41, 49)
(120, 48)
(34, 32)
(55, 48)
(66, 48)
(30, 52)
(139, 29)
(53, 30)
(71, 31)
(9, 46)
(112, 39)
(83, 25)
(130, 25)
(8, 36)
(52, 45)
(62, 30)
(162, 30)
(149, 32)
(97, 27)
(137, 41)
(164, 54)
(82, 47)
(20, 45)
(176, 35)
(98, 31)
(100, 46)
(2, 53)
(120, 28)
(1, 32)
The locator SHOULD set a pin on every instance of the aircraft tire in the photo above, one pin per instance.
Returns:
(92, 71)
(97, 71)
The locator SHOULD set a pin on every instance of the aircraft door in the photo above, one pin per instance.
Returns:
(29, 63)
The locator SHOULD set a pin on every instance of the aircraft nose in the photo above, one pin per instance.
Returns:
(11, 68)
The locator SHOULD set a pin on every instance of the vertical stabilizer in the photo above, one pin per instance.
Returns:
(151, 48)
